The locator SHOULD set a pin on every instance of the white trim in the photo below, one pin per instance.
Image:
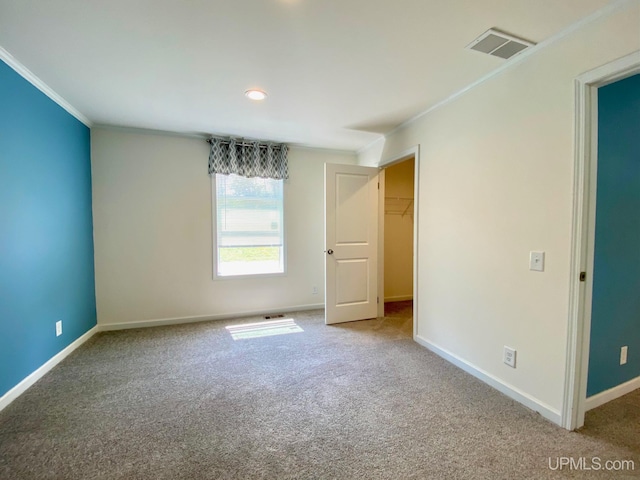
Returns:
(583, 232)
(509, 390)
(105, 327)
(611, 394)
(202, 136)
(20, 388)
(382, 187)
(575, 334)
(369, 145)
(150, 131)
(401, 157)
(515, 60)
(335, 151)
(398, 298)
(416, 230)
(618, 69)
(30, 77)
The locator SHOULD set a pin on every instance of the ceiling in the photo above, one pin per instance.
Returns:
(338, 73)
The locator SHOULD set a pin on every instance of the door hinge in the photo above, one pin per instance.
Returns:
(583, 276)
(377, 299)
(378, 185)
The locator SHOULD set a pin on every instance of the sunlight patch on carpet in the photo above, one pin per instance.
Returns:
(264, 329)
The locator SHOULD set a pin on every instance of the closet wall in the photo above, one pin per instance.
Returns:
(398, 232)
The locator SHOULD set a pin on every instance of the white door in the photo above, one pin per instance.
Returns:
(351, 242)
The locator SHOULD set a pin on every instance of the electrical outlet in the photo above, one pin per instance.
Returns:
(623, 355)
(314, 290)
(509, 356)
(58, 328)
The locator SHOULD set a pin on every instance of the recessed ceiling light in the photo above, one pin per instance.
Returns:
(254, 94)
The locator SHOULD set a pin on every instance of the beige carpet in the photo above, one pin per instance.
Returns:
(355, 401)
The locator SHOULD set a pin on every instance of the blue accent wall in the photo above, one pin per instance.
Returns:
(46, 229)
(615, 317)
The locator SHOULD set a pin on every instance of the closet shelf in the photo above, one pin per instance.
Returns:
(398, 206)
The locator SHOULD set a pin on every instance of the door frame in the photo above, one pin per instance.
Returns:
(401, 157)
(583, 231)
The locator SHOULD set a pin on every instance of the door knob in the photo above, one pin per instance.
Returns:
(330, 252)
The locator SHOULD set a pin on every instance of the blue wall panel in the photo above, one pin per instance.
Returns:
(615, 318)
(46, 230)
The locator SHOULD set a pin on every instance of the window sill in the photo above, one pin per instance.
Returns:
(249, 276)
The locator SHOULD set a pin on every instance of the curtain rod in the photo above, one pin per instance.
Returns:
(246, 143)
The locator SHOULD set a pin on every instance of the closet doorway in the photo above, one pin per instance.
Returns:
(398, 228)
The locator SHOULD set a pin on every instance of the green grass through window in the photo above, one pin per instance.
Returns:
(249, 254)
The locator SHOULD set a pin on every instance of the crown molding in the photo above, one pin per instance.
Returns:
(30, 77)
(519, 58)
(335, 151)
(361, 150)
(205, 136)
(151, 131)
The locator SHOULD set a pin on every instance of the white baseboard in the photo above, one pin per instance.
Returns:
(398, 298)
(611, 394)
(204, 318)
(20, 388)
(509, 390)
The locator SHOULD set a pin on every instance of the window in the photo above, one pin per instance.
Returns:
(248, 223)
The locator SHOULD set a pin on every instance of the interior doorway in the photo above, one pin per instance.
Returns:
(586, 173)
(398, 238)
(616, 260)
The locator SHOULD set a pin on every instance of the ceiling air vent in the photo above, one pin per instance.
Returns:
(499, 44)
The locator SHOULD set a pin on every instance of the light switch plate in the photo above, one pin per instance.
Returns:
(536, 261)
(623, 355)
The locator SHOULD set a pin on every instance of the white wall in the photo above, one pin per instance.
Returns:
(153, 232)
(496, 172)
(398, 232)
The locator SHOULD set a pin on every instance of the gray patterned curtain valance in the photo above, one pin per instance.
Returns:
(248, 158)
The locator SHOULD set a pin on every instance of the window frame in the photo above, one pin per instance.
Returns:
(214, 230)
